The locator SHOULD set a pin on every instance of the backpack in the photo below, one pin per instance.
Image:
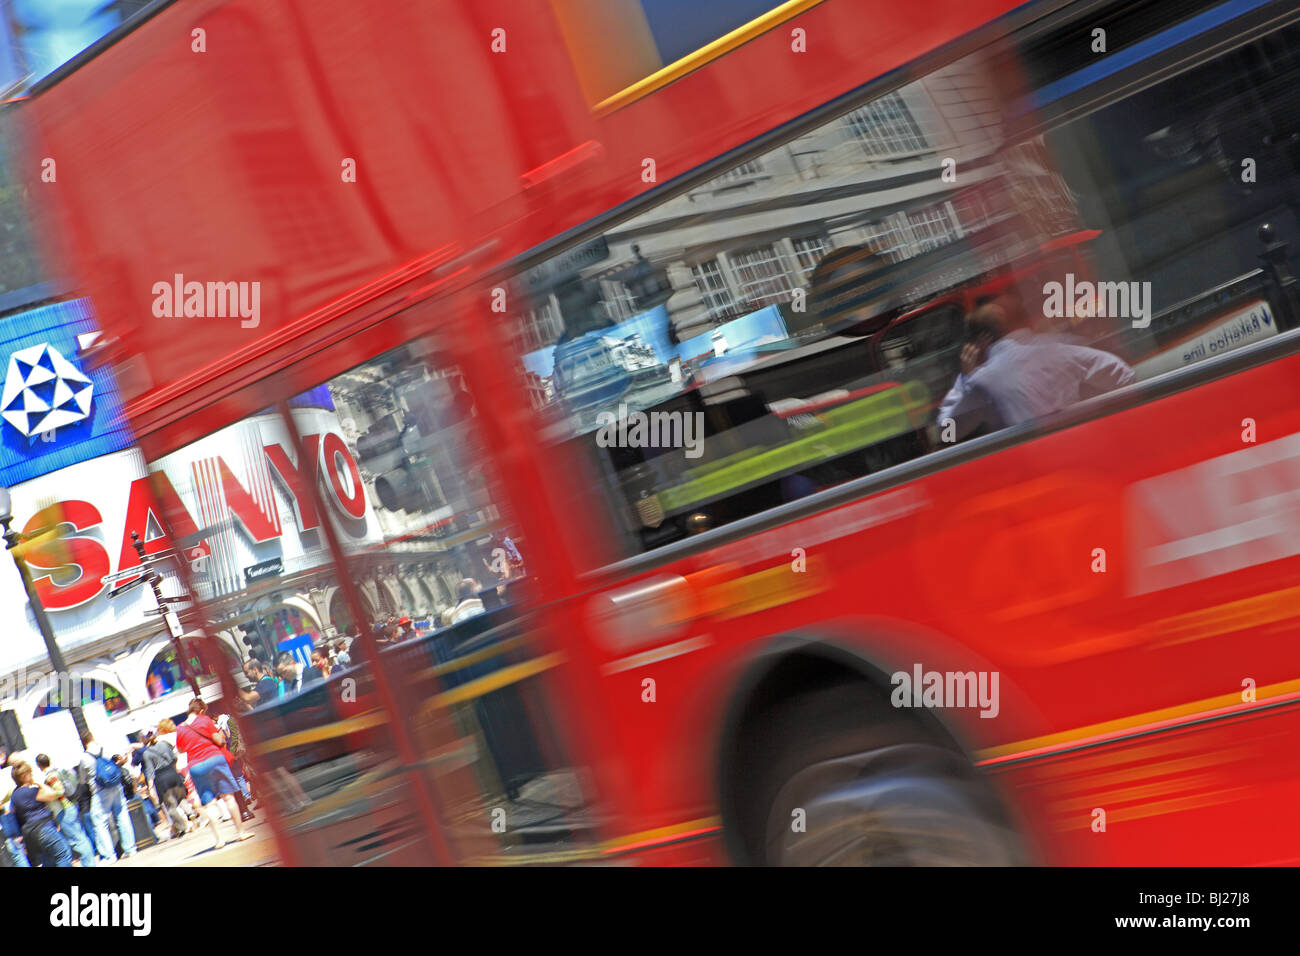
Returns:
(234, 740)
(164, 755)
(107, 773)
(72, 787)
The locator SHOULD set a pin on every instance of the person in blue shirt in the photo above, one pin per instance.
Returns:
(31, 806)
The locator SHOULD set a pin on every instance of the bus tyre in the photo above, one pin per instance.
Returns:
(850, 782)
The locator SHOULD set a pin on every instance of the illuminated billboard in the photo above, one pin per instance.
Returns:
(55, 410)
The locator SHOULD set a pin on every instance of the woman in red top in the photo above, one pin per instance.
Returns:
(204, 747)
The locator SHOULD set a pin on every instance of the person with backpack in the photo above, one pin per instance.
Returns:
(104, 778)
(160, 770)
(65, 784)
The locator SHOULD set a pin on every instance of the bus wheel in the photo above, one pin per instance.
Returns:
(866, 787)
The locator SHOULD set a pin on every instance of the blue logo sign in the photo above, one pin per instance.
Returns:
(54, 411)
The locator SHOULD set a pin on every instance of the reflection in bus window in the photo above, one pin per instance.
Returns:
(809, 321)
(436, 571)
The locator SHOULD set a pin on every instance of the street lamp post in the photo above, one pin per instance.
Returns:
(12, 540)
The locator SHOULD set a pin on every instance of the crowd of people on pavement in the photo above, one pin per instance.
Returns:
(189, 777)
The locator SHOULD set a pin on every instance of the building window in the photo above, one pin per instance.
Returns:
(886, 128)
(971, 210)
(541, 325)
(88, 689)
(810, 250)
(889, 238)
(165, 674)
(931, 228)
(761, 276)
(739, 173)
(713, 288)
(618, 301)
(909, 234)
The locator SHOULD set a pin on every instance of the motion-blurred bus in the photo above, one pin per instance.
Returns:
(669, 295)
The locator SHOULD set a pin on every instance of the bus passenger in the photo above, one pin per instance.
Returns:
(1009, 375)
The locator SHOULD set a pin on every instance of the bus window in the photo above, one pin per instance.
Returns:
(721, 353)
(1180, 177)
(732, 349)
(377, 467)
(439, 574)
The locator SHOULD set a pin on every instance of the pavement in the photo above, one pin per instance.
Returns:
(195, 849)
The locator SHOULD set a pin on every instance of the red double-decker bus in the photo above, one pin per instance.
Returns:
(610, 346)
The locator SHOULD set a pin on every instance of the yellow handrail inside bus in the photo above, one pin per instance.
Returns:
(490, 682)
(338, 728)
(483, 654)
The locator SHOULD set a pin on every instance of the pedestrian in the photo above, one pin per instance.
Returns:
(144, 786)
(265, 687)
(344, 655)
(15, 854)
(313, 672)
(235, 744)
(470, 605)
(320, 666)
(135, 786)
(209, 763)
(107, 800)
(190, 804)
(290, 673)
(66, 816)
(31, 806)
(160, 770)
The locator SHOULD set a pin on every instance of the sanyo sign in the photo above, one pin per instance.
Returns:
(248, 480)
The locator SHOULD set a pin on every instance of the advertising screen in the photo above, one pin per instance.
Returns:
(55, 410)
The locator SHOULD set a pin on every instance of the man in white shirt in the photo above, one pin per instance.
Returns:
(1009, 376)
(470, 605)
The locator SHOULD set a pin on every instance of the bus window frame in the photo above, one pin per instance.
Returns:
(1027, 20)
(1186, 55)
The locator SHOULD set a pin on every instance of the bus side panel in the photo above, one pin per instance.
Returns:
(1045, 564)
